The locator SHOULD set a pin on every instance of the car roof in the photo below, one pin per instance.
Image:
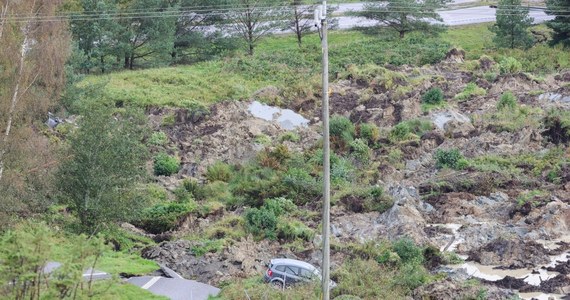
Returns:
(293, 262)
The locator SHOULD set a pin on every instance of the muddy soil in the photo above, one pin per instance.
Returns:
(470, 212)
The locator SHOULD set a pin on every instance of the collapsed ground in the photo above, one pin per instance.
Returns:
(478, 174)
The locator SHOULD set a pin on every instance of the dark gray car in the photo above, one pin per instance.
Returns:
(285, 272)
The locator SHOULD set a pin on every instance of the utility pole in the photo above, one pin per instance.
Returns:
(321, 23)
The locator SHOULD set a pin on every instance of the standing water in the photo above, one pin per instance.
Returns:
(287, 118)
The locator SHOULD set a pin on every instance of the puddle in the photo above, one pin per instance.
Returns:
(442, 118)
(491, 274)
(287, 118)
(554, 97)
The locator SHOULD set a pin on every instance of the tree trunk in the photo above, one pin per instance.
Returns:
(14, 100)
(126, 65)
(402, 33)
(132, 61)
(3, 17)
(102, 58)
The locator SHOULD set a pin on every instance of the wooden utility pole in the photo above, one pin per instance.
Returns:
(321, 23)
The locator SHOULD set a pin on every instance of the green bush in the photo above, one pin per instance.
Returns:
(450, 159)
(510, 65)
(219, 171)
(433, 96)
(408, 251)
(164, 217)
(158, 138)
(410, 129)
(290, 136)
(341, 127)
(557, 125)
(207, 246)
(300, 185)
(292, 230)
(507, 100)
(342, 170)
(261, 222)
(369, 132)
(360, 150)
(165, 164)
(280, 206)
(471, 89)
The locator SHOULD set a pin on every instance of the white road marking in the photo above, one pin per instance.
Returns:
(94, 274)
(150, 283)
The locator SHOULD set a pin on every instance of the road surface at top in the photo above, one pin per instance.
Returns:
(463, 16)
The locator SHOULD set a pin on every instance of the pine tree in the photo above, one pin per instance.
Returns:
(511, 28)
(561, 23)
(405, 15)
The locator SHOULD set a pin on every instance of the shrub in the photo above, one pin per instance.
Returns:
(158, 138)
(360, 150)
(369, 132)
(342, 131)
(342, 170)
(557, 125)
(293, 230)
(410, 129)
(507, 100)
(263, 139)
(510, 65)
(261, 221)
(290, 136)
(207, 246)
(165, 164)
(408, 251)
(450, 159)
(471, 89)
(280, 206)
(163, 217)
(219, 171)
(300, 185)
(490, 76)
(433, 96)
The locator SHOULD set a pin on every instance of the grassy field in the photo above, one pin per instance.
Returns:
(295, 70)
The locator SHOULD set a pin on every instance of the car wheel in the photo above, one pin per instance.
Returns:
(277, 284)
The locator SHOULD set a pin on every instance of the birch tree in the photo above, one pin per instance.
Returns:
(34, 50)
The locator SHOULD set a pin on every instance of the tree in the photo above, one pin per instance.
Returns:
(105, 160)
(95, 31)
(254, 19)
(196, 37)
(301, 18)
(32, 76)
(127, 30)
(561, 23)
(149, 31)
(511, 28)
(405, 15)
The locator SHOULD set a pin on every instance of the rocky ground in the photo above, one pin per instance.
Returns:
(481, 221)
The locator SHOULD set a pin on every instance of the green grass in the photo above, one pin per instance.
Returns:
(112, 262)
(203, 83)
(474, 39)
(109, 290)
(278, 61)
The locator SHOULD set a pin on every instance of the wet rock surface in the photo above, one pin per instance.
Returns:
(456, 289)
(512, 253)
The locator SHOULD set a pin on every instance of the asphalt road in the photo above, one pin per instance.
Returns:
(463, 16)
(175, 288)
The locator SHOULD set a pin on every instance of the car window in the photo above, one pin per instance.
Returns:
(292, 270)
(280, 268)
(307, 274)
